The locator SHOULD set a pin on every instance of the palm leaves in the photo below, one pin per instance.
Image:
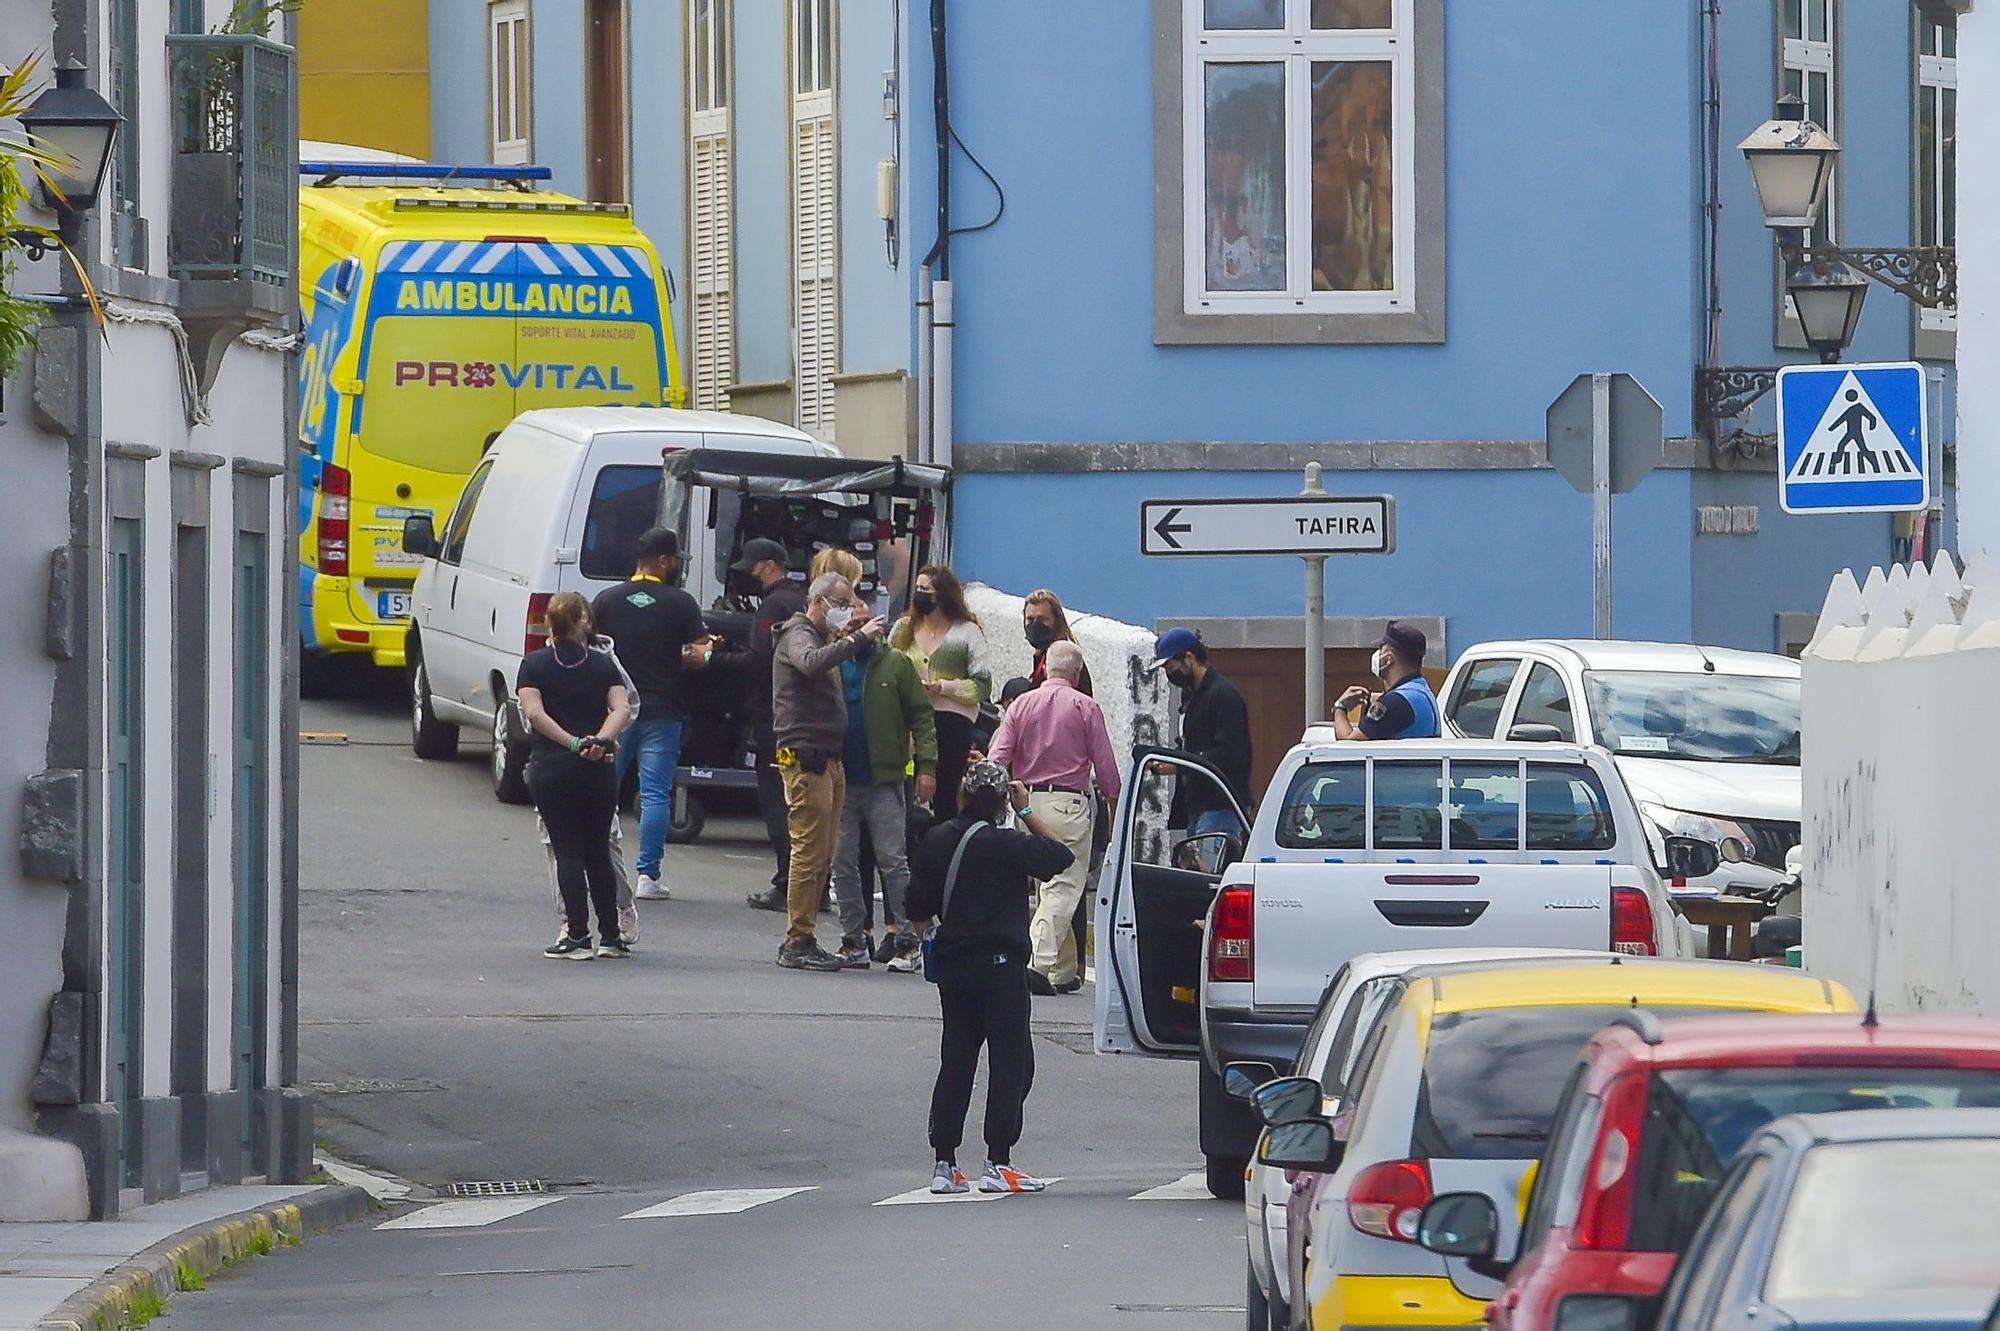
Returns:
(19, 318)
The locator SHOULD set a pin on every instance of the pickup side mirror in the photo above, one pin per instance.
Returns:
(1241, 1080)
(1209, 853)
(420, 536)
(1308, 1146)
(1530, 732)
(1691, 857)
(1606, 1312)
(1287, 1100)
(1460, 1224)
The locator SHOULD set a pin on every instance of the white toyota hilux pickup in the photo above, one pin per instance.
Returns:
(1217, 947)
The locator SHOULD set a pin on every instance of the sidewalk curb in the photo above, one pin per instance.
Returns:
(145, 1282)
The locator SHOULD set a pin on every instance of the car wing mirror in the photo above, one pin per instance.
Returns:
(1533, 732)
(1287, 1100)
(1309, 1146)
(1606, 1312)
(1241, 1080)
(419, 536)
(1460, 1224)
(1209, 853)
(1691, 857)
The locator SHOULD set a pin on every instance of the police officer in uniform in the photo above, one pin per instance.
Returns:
(1407, 709)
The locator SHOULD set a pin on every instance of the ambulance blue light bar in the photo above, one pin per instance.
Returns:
(422, 171)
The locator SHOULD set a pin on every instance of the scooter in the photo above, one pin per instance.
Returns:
(1784, 927)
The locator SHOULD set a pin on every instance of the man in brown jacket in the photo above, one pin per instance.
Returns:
(809, 724)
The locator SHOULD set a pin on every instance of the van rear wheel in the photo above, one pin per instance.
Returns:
(510, 758)
(429, 737)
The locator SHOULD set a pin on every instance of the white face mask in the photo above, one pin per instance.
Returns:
(838, 617)
(1383, 664)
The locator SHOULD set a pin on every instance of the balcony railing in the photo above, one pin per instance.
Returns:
(235, 159)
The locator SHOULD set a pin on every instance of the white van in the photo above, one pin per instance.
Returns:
(556, 505)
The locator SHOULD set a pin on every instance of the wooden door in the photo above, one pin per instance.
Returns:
(606, 104)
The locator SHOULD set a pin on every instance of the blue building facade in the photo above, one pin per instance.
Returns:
(1203, 242)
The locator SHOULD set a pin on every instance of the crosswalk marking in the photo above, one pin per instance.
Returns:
(720, 1201)
(924, 1196)
(467, 1213)
(1187, 1188)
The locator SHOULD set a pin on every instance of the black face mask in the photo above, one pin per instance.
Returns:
(1180, 679)
(1040, 636)
(923, 603)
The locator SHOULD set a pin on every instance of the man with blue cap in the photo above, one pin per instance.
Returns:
(1215, 727)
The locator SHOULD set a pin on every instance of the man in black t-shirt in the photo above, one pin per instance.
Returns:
(657, 631)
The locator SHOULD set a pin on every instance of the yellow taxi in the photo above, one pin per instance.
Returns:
(1456, 1086)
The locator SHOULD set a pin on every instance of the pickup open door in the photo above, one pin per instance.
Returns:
(1152, 897)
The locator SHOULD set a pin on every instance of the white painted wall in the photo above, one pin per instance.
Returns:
(1979, 284)
(1901, 724)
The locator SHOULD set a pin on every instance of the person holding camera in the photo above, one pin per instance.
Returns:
(575, 705)
(809, 726)
(974, 876)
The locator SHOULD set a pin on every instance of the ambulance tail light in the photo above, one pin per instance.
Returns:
(535, 635)
(1232, 936)
(334, 485)
(1631, 922)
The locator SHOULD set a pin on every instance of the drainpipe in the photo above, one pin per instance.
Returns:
(938, 264)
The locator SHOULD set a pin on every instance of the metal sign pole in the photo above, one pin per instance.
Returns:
(1315, 615)
(1600, 504)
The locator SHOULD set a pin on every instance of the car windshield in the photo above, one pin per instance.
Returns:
(1707, 718)
(1698, 1118)
(1492, 1078)
(1868, 1219)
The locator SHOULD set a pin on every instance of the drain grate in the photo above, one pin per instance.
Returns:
(512, 1187)
(374, 1085)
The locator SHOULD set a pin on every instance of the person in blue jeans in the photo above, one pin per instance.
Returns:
(657, 631)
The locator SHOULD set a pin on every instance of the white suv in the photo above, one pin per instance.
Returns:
(1707, 738)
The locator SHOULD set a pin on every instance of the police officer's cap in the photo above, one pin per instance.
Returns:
(1406, 640)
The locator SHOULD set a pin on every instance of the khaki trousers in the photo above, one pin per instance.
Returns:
(812, 815)
(1069, 818)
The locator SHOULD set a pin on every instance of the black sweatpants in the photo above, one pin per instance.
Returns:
(984, 994)
(954, 737)
(577, 800)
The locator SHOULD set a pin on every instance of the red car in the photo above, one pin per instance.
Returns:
(1654, 1112)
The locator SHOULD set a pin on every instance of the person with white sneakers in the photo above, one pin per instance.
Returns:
(974, 876)
(658, 633)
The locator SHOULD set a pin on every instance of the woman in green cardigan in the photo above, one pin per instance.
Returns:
(943, 640)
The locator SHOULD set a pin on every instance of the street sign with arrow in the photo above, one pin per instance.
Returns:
(1292, 525)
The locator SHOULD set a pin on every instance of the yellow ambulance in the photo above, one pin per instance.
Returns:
(440, 302)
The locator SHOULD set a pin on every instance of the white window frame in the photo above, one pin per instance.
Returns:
(511, 144)
(711, 311)
(1935, 73)
(1809, 57)
(814, 124)
(1299, 47)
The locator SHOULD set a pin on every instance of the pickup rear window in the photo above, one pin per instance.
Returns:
(1492, 1078)
(1698, 1118)
(1327, 807)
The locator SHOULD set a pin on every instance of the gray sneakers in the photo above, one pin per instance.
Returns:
(808, 956)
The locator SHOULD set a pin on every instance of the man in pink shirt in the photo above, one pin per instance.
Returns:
(1053, 741)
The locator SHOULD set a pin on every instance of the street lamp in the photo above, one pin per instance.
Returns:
(80, 126)
(1791, 161)
(1827, 294)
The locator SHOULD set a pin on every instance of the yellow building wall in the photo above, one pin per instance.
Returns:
(364, 74)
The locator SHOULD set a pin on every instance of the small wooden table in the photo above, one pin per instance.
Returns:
(1730, 922)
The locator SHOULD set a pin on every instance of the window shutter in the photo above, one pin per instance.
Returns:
(816, 298)
(714, 314)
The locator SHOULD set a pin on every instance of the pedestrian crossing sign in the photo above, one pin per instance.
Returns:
(1852, 439)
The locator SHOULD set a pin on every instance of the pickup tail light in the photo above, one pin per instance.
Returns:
(1631, 922)
(535, 635)
(1232, 936)
(1604, 1212)
(334, 488)
(1386, 1200)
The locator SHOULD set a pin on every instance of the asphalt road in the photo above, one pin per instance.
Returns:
(448, 1050)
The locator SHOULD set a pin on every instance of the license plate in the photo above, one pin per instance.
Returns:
(392, 605)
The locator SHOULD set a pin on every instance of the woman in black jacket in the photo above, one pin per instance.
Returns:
(574, 702)
(981, 958)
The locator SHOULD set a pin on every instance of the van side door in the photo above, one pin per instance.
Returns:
(448, 654)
